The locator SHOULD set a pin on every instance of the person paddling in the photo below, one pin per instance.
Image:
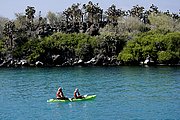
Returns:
(60, 94)
(77, 94)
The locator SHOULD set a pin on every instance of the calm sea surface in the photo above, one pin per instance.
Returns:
(123, 93)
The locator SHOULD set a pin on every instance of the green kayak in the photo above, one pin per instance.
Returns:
(86, 97)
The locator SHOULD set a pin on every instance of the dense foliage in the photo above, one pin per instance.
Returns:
(161, 48)
(88, 33)
(69, 47)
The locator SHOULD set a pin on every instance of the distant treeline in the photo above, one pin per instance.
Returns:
(88, 35)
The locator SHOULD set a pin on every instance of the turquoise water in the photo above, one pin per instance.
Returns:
(122, 93)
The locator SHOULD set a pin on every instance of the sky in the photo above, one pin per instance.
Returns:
(8, 8)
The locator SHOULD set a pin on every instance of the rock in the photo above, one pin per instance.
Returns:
(8, 63)
(148, 61)
(22, 63)
(78, 63)
(3, 64)
(90, 62)
(39, 63)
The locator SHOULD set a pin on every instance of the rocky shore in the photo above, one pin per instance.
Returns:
(56, 60)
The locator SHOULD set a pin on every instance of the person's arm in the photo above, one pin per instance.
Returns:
(62, 95)
(75, 96)
(78, 93)
(57, 94)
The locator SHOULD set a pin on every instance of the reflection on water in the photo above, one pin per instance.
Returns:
(75, 104)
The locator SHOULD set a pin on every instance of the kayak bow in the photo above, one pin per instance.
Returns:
(86, 97)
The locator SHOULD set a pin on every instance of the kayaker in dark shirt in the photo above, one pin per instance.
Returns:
(77, 94)
(60, 94)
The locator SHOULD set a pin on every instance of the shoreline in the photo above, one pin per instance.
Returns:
(82, 65)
